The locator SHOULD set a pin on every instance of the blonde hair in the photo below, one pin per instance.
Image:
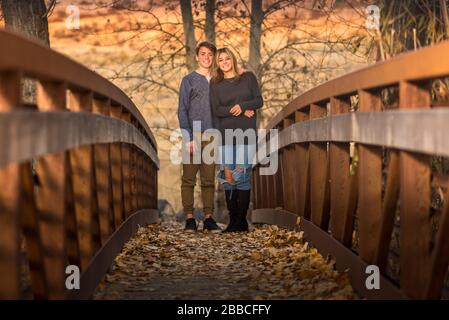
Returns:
(217, 73)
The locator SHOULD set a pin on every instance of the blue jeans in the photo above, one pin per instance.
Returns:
(237, 158)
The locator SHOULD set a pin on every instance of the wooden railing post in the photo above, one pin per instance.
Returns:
(103, 177)
(370, 187)
(342, 209)
(415, 202)
(319, 175)
(288, 172)
(117, 174)
(84, 187)
(276, 187)
(302, 175)
(51, 196)
(126, 153)
(10, 200)
(133, 174)
(375, 221)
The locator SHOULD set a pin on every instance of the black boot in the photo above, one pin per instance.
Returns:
(231, 203)
(244, 197)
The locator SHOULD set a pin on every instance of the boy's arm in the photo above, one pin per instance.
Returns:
(183, 107)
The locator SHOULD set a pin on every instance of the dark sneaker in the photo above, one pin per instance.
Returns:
(211, 225)
(190, 225)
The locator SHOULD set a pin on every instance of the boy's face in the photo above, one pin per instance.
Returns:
(205, 57)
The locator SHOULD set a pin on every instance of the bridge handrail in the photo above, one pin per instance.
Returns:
(37, 61)
(352, 165)
(79, 168)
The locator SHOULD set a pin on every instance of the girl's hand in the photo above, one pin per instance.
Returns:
(248, 113)
(236, 110)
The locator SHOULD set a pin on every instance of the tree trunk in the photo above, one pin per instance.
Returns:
(189, 34)
(210, 21)
(255, 35)
(28, 17)
(444, 13)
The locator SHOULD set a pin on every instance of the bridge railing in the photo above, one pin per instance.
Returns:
(78, 171)
(363, 163)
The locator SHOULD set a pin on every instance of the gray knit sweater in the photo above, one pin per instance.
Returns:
(194, 103)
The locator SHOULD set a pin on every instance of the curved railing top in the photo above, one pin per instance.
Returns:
(35, 60)
(426, 63)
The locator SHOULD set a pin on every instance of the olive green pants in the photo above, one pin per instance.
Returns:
(207, 178)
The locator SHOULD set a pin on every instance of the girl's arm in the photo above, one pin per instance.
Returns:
(217, 109)
(257, 101)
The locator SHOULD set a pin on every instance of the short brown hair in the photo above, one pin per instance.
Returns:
(206, 44)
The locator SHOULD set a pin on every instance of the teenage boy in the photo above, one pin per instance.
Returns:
(194, 105)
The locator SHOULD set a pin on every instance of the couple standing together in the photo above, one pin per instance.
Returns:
(223, 97)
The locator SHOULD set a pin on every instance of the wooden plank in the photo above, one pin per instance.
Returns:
(288, 172)
(439, 256)
(103, 177)
(389, 207)
(256, 188)
(269, 191)
(10, 200)
(415, 203)
(133, 174)
(148, 178)
(155, 187)
(126, 158)
(302, 176)
(278, 194)
(117, 174)
(58, 131)
(33, 243)
(51, 196)
(342, 219)
(370, 213)
(139, 180)
(84, 188)
(319, 184)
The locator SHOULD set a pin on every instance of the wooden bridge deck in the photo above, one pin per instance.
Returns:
(163, 262)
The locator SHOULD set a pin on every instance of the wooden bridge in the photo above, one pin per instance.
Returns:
(361, 160)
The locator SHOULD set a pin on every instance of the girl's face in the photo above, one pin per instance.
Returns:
(224, 62)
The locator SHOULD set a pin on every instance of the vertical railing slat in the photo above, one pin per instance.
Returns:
(117, 173)
(301, 181)
(84, 186)
(319, 184)
(340, 187)
(414, 202)
(51, 196)
(103, 177)
(288, 172)
(10, 95)
(370, 215)
(126, 152)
